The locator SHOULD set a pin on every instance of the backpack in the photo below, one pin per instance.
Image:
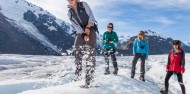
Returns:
(83, 25)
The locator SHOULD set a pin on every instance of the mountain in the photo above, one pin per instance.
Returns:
(158, 44)
(123, 39)
(28, 29)
(188, 44)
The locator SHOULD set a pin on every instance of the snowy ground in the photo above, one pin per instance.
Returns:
(20, 74)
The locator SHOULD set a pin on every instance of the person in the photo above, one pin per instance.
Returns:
(175, 65)
(140, 50)
(109, 38)
(83, 20)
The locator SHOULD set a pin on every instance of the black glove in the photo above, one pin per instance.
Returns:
(108, 40)
(83, 35)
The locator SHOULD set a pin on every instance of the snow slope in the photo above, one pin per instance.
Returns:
(14, 10)
(54, 74)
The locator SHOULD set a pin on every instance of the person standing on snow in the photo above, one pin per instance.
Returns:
(109, 38)
(175, 65)
(140, 50)
(83, 20)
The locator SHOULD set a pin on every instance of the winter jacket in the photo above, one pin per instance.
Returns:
(81, 16)
(141, 47)
(176, 61)
(109, 38)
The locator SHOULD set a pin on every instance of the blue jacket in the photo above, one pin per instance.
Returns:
(138, 47)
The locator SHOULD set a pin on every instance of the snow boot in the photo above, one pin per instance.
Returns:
(85, 86)
(107, 72)
(142, 78)
(132, 75)
(163, 91)
(115, 72)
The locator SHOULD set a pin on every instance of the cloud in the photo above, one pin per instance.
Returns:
(161, 20)
(182, 4)
(59, 7)
(129, 16)
(56, 7)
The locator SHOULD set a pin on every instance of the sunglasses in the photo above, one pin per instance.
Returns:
(70, 0)
(110, 27)
(140, 34)
(175, 44)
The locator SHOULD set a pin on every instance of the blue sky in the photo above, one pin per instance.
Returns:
(168, 17)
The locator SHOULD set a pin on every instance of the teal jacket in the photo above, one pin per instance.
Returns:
(112, 36)
(141, 47)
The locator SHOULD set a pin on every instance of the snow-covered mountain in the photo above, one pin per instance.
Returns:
(158, 44)
(188, 44)
(123, 39)
(28, 29)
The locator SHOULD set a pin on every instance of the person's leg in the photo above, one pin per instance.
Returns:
(106, 56)
(114, 62)
(168, 75)
(78, 47)
(90, 66)
(78, 62)
(142, 69)
(134, 62)
(91, 59)
(180, 80)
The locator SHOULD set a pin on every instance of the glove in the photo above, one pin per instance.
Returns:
(83, 35)
(182, 70)
(107, 40)
(167, 67)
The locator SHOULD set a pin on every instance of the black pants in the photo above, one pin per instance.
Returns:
(107, 53)
(90, 50)
(134, 62)
(180, 80)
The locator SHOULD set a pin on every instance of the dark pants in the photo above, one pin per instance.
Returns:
(107, 53)
(134, 62)
(180, 80)
(83, 49)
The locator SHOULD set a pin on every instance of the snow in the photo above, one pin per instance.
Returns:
(123, 39)
(14, 10)
(99, 40)
(52, 28)
(188, 44)
(53, 75)
(33, 32)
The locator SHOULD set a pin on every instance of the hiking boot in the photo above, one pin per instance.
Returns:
(85, 86)
(142, 78)
(164, 91)
(132, 75)
(115, 72)
(107, 71)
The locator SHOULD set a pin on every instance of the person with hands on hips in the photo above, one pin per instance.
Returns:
(175, 65)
